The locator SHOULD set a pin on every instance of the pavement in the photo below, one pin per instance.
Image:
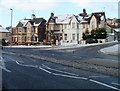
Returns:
(113, 50)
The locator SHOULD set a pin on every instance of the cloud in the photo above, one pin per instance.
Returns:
(81, 3)
(91, 3)
(47, 4)
(28, 4)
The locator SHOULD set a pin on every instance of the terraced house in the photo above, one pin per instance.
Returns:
(29, 31)
(69, 28)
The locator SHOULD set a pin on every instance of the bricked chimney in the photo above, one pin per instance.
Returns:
(33, 16)
(84, 12)
(52, 15)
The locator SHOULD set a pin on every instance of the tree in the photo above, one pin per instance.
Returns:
(93, 33)
(99, 33)
(84, 36)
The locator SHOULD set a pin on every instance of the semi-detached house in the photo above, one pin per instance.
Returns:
(69, 28)
(29, 31)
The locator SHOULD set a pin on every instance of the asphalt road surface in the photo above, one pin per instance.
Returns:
(20, 72)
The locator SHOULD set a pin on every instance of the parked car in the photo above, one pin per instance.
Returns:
(91, 40)
(118, 39)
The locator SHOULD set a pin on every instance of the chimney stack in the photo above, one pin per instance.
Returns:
(33, 16)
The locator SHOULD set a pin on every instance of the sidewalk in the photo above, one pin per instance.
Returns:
(58, 47)
(113, 50)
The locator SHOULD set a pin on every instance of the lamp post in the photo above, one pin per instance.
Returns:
(11, 24)
(11, 17)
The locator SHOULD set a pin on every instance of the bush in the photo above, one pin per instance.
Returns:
(99, 33)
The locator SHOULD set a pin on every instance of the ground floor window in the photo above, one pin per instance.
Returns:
(65, 36)
(73, 36)
(77, 37)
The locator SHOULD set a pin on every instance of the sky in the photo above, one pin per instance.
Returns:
(42, 8)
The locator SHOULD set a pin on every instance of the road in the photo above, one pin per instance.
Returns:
(23, 72)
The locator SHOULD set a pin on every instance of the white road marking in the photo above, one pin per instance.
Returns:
(103, 84)
(60, 70)
(97, 76)
(45, 70)
(5, 69)
(115, 83)
(2, 65)
(70, 76)
(27, 65)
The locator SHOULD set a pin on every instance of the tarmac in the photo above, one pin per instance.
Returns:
(104, 66)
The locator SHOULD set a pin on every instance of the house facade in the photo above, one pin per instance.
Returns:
(5, 34)
(70, 28)
(29, 31)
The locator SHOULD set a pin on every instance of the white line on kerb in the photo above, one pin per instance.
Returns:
(115, 83)
(103, 84)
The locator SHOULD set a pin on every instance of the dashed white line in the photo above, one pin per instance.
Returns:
(98, 76)
(104, 84)
(70, 76)
(45, 70)
(27, 65)
(60, 70)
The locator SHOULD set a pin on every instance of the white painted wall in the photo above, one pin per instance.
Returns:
(70, 30)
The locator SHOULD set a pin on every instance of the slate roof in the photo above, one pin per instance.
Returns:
(34, 22)
(66, 18)
(63, 18)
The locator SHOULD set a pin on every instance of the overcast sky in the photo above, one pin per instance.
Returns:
(42, 8)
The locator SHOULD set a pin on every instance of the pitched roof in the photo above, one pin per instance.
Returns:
(34, 22)
(99, 16)
(37, 21)
(66, 18)
(3, 30)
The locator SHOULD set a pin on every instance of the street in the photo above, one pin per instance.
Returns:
(24, 72)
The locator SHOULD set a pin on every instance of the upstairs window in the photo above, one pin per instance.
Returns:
(65, 26)
(93, 25)
(77, 25)
(73, 25)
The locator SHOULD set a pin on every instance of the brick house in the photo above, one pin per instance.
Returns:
(29, 31)
(5, 34)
